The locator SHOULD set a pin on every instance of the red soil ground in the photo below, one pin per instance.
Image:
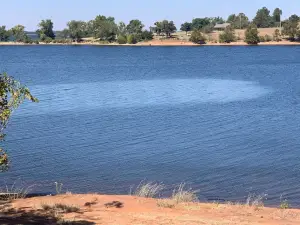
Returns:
(134, 211)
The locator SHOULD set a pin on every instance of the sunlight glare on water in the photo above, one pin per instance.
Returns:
(140, 93)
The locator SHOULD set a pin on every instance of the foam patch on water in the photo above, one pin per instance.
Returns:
(140, 93)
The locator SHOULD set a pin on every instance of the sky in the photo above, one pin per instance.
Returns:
(30, 12)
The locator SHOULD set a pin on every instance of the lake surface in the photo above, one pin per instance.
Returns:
(225, 120)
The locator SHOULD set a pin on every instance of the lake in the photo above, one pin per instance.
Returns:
(225, 120)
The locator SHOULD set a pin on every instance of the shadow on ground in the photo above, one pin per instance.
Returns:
(24, 217)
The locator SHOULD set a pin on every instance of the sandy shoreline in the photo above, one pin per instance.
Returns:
(156, 43)
(123, 210)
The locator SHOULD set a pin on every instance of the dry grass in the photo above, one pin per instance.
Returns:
(181, 195)
(60, 208)
(14, 191)
(148, 190)
(165, 203)
(256, 200)
(214, 36)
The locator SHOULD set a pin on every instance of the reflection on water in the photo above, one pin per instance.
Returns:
(139, 93)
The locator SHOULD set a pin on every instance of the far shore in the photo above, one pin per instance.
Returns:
(158, 43)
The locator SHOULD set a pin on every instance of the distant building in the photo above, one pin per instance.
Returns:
(222, 26)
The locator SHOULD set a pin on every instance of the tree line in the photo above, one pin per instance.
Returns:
(289, 28)
(263, 19)
(106, 29)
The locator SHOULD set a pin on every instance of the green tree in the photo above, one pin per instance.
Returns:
(131, 39)
(122, 39)
(89, 28)
(186, 27)
(45, 30)
(147, 35)
(153, 30)
(12, 95)
(208, 28)
(122, 28)
(240, 21)
(135, 27)
(4, 34)
(63, 34)
(227, 35)
(277, 16)
(105, 28)
(294, 18)
(157, 28)
(166, 27)
(76, 30)
(231, 19)
(263, 18)
(217, 20)
(251, 35)
(199, 23)
(18, 32)
(28, 40)
(197, 37)
(291, 27)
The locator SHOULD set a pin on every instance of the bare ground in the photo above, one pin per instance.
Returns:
(121, 210)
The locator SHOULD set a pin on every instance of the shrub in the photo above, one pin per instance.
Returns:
(180, 195)
(227, 35)
(197, 37)
(36, 42)
(277, 36)
(47, 40)
(251, 35)
(122, 39)
(60, 208)
(208, 28)
(256, 200)
(262, 39)
(27, 40)
(138, 37)
(131, 39)
(284, 204)
(268, 38)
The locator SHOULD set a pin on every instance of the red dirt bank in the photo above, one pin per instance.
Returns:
(145, 211)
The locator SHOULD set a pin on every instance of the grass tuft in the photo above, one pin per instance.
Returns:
(256, 200)
(165, 203)
(180, 195)
(148, 190)
(46, 207)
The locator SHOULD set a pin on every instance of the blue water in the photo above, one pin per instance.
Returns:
(225, 120)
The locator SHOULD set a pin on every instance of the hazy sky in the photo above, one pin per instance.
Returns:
(30, 12)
